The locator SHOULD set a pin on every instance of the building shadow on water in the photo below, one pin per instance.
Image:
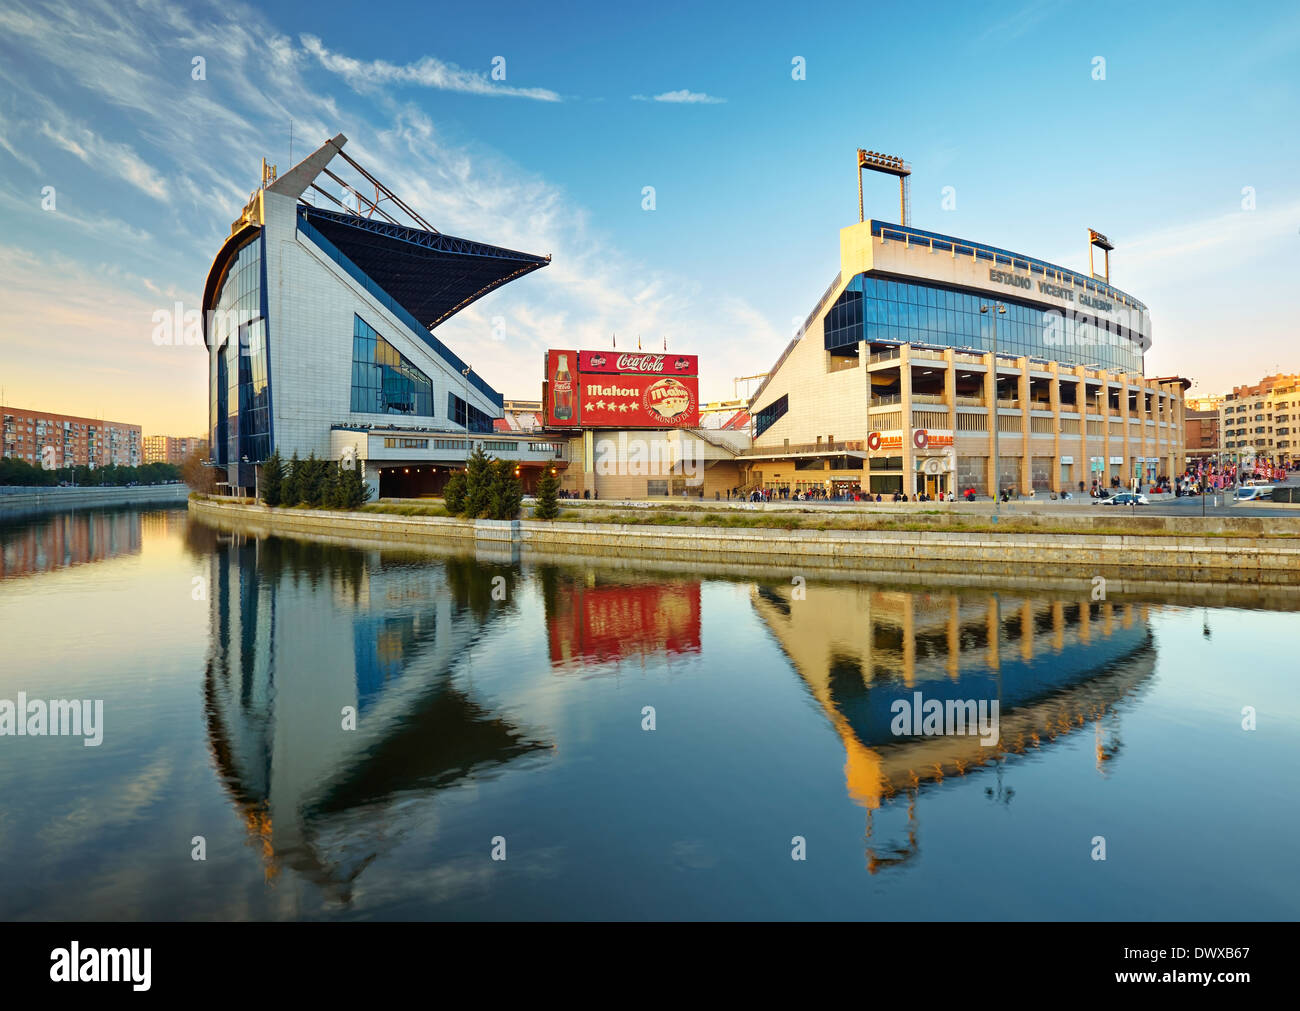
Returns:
(871, 657)
(333, 699)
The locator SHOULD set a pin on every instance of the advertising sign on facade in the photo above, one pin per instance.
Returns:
(640, 401)
(638, 363)
(560, 389)
(923, 440)
(608, 389)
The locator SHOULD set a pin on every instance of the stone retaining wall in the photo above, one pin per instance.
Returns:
(1252, 560)
(15, 504)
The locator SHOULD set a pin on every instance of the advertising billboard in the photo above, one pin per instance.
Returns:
(638, 363)
(639, 401)
(560, 390)
(606, 389)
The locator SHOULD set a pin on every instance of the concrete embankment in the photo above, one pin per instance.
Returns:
(1147, 551)
(16, 503)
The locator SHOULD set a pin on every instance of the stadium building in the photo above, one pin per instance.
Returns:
(892, 384)
(318, 317)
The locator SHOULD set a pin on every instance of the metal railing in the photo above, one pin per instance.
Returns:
(969, 401)
(884, 356)
(856, 446)
(886, 401)
(928, 398)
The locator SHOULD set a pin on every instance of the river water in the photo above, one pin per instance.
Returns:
(365, 733)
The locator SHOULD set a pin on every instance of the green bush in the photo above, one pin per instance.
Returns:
(453, 494)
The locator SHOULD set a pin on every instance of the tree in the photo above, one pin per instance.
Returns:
(291, 489)
(195, 473)
(352, 488)
(453, 493)
(548, 500)
(330, 485)
(273, 479)
(478, 484)
(313, 479)
(507, 493)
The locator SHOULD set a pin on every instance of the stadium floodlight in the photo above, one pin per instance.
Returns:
(890, 165)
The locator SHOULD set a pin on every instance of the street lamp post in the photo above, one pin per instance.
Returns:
(999, 309)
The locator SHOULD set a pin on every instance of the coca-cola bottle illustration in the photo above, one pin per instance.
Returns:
(562, 391)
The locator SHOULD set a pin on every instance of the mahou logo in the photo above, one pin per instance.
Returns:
(667, 400)
(640, 363)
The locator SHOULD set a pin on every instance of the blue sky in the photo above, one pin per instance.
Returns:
(753, 173)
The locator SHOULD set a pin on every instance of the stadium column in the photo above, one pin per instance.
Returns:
(1084, 473)
(1026, 480)
(1054, 392)
(1177, 433)
(905, 391)
(1126, 468)
(864, 360)
(1104, 410)
(950, 402)
(991, 412)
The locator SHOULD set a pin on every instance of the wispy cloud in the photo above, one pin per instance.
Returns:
(109, 157)
(427, 72)
(682, 97)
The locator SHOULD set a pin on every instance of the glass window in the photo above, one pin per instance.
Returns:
(383, 380)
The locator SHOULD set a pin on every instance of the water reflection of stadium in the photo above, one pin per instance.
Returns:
(1057, 667)
(302, 631)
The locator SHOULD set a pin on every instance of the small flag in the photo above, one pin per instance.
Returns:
(638, 342)
(613, 340)
(665, 343)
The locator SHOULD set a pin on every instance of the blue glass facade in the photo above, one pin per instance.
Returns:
(467, 415)
(383, 380)
(240, 389)
(771, 414)
(879, 310)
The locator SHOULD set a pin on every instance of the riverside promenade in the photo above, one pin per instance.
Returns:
(1074, 543)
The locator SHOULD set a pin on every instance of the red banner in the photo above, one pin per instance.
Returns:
(638, 401)
(603, 623)
(638, 363)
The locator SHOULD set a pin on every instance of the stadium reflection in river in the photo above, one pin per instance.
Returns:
(357, 732)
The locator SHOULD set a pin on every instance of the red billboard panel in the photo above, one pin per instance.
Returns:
(560, 390)
(604, 623)
(639, 401)
(638, 363)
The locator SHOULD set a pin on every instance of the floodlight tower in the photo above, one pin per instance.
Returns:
(890, 165)
(1096, 239)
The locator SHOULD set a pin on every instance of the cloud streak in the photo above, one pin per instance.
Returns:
(427, 72)
(682, 97)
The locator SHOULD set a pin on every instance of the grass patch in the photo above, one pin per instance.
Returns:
(405, 510)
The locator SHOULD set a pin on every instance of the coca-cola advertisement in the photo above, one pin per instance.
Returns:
(639, 363)
(561, 386)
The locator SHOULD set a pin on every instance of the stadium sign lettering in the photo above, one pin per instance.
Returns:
(1006, 277)
(596, 390)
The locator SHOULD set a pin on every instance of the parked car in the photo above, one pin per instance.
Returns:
(1125, 498)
